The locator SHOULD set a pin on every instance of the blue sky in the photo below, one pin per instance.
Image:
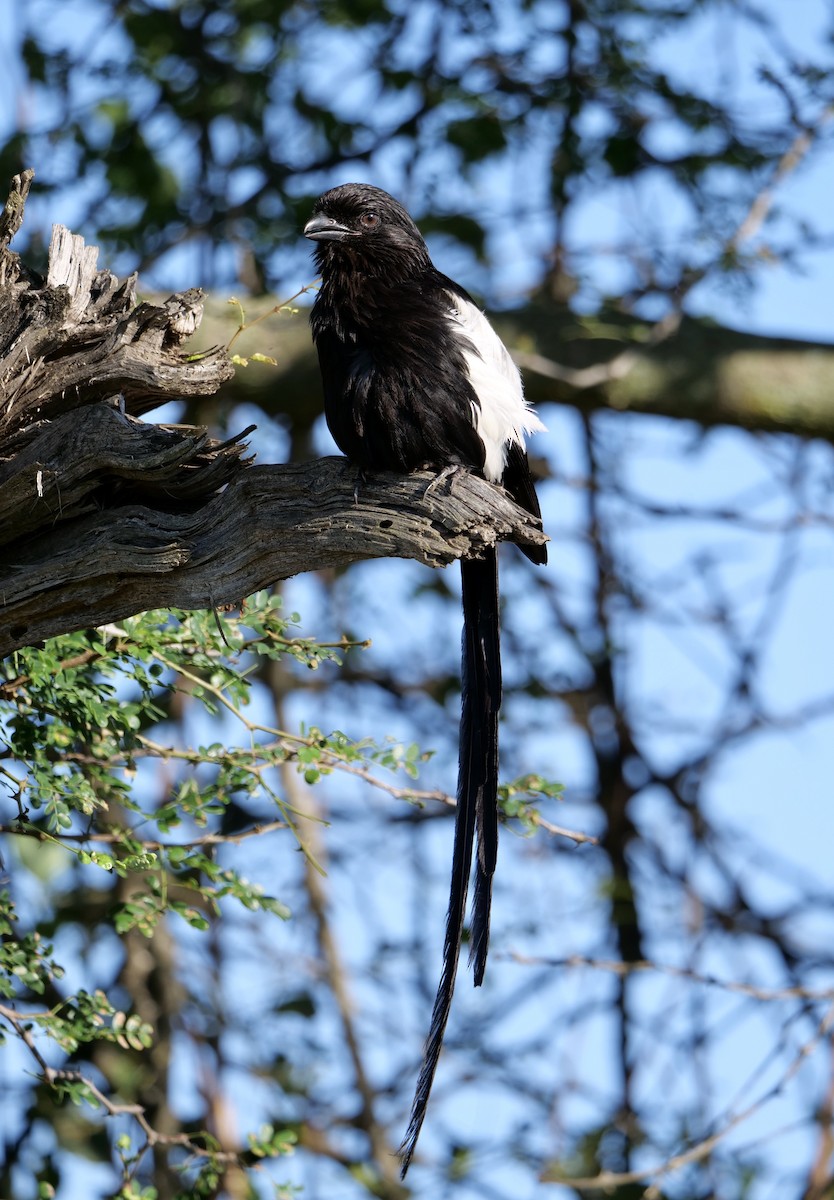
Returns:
(794, 302)
(771, 797)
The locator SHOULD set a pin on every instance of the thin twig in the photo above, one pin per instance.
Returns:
(600, 374)
(245, 326)
(610, 1180)
(57, 1075)
(644, 966)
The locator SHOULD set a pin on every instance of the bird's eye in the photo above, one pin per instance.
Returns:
(369, 220)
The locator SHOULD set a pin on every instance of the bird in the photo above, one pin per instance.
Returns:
(415, 377)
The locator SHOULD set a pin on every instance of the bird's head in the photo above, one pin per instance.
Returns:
(356, 224)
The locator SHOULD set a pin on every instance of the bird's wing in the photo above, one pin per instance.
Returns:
(502, 414)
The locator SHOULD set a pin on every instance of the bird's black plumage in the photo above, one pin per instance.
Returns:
(414, 376)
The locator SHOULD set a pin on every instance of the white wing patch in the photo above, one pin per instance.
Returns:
(504, 415)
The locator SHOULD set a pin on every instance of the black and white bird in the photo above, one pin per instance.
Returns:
(414, 377)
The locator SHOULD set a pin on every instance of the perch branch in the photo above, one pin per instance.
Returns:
(269, 523)
(103, 515)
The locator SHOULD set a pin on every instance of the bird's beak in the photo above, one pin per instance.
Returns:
(325, 229)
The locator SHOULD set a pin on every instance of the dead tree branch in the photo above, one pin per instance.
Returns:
(103, 515)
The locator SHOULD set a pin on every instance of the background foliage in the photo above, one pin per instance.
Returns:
(195, 998)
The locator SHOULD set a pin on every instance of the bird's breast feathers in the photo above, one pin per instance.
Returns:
(501, 415)
(396, 373)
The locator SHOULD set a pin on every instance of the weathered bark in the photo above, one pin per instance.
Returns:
(268, 523)
(103, 515)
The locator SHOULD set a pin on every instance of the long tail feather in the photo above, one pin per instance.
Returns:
(477, 812)
(480, 608)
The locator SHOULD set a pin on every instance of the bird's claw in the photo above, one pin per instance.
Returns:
(448, 472)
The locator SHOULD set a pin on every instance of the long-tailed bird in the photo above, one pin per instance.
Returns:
(414, 377)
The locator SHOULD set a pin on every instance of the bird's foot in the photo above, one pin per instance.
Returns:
(361, 480)
(447, 473)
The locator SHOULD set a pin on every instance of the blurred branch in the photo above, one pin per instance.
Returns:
(787, 164)
(821, 1177)
(382, 1152)
(682, 367)
(610, 1180)
(697, 371)
(622, 364)
(55, 1076)
(644, 966)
